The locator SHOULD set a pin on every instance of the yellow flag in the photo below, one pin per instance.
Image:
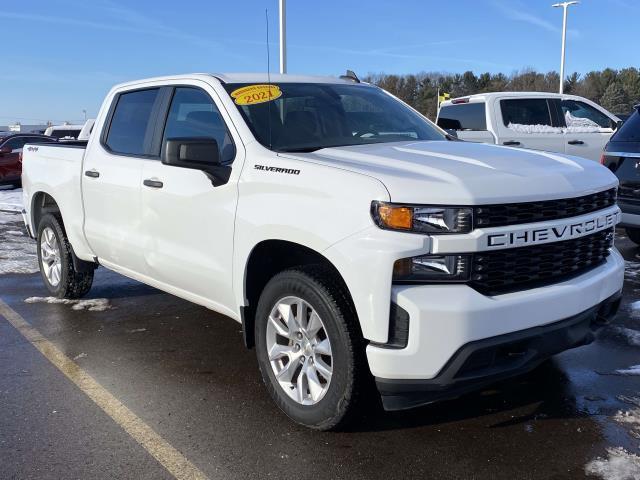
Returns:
(444, 96)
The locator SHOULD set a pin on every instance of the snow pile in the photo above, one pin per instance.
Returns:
(632, 271)
(633, 370)
(17, 250)
(574, 125)
(580, 125)
(619, 465)
(93, 305)
(11, 200)
(521, 128)
(631, 336)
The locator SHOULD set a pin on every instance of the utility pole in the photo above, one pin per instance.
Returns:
(283, 36)
(565, 6)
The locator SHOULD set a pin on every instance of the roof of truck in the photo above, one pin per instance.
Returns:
(244, 78)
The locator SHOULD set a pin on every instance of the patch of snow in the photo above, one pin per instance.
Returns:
(81, 355)
(631, 417)
(138, 330)
(632, 271)
(632, 336)
(619, 465)
(17, 252)
(93, 305)
(634, 370)
(11, 200)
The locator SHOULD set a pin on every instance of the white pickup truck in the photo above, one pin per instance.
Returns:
(539, 121)
(355, 241)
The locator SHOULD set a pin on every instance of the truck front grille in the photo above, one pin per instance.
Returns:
(509, 270)
(530, 212)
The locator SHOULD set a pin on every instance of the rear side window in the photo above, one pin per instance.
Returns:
(629, 131)
(525, 111)
(131, 126)
(194, 115)
(465, 116)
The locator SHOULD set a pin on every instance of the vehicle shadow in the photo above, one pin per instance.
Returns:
(546, 387)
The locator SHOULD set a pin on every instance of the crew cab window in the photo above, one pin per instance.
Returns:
(194, 115)
(580, 114)
(464, 116)
(131, 124)
(525, 111)
(629, 131)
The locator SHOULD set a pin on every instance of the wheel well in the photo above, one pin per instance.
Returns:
(267, 259)
(42, 204)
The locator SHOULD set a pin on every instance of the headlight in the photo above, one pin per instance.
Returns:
(432, 268)
(422, 218)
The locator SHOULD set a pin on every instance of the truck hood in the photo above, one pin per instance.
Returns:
(464, 173)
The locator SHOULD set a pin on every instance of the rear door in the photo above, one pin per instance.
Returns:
(468, 120)
(529, 123)
(188, 223)
(112, 179)
(588, 129)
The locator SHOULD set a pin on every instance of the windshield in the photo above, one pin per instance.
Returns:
(303, 117)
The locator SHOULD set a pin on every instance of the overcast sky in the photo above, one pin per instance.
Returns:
(62, 56)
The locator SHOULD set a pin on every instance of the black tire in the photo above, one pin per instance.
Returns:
(634, 235)
(72, 284)
(319, 287)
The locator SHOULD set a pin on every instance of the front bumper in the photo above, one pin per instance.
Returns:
(630, 214)
(486, 361)
(446, 318)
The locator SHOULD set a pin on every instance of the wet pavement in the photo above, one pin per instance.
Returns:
(184, 371)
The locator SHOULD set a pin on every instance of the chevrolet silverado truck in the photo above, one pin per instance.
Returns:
(540, 121)
(357, 243)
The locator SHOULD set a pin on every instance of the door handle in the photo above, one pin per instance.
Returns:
(92, 173)
(575, 142)
(153, 183)
(511, 142)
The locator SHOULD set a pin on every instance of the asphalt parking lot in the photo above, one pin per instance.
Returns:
(183, 372)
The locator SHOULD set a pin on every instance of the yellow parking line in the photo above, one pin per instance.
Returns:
(158, 447)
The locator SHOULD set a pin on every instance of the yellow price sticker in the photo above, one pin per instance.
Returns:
(253, 94)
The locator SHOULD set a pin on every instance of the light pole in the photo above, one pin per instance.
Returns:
(565, 6)
(84, 112)
(283, 36)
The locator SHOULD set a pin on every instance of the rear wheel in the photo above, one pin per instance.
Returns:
(55, 257)
(310, 350)
(634, 235)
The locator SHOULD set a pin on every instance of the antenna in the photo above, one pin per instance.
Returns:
(266, 15)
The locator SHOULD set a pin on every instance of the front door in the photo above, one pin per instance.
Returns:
(588, 129)
(189, 223)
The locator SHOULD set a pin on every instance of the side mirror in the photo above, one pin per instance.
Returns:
(451, 132)
(616, 125)
(5, 150)
(198, 154)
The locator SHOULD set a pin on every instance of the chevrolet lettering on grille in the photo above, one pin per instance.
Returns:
(562, 231)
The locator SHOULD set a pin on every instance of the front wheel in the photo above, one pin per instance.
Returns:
(309, 347)
(634, 235)
(56, 261)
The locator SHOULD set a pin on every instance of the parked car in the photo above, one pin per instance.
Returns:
(10, 151)
(346, 233)
(64, 132)
(540, 121)
(622, 157)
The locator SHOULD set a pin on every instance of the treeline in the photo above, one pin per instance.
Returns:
(616, 90)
